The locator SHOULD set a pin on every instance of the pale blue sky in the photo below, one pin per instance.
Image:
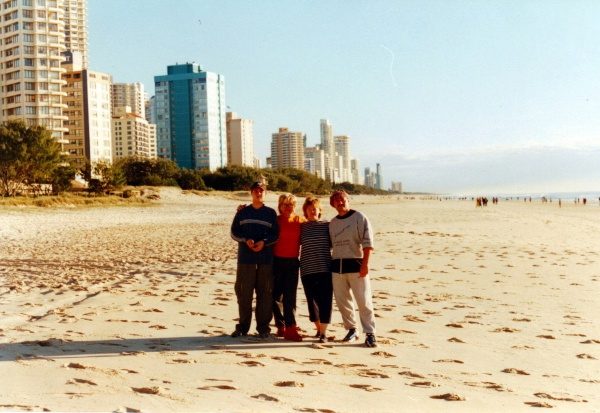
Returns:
(496, 96)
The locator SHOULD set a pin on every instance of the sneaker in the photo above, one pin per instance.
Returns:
(280, 331)
(351, 336)
(237, 333)
(322, 338)
(291, 333)
(264, 335)
(318, 334)
(371, 341)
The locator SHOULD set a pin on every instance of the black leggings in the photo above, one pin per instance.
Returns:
(285, 284)
(319, 295)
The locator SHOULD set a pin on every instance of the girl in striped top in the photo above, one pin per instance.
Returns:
(315, 266)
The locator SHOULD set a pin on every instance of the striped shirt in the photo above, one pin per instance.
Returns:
(315, 256)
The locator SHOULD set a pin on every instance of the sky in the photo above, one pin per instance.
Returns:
(454, 97)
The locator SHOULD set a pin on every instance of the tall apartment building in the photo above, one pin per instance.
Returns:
(32, 38)
(132, 95)
(396, 187)
(342, 149)
(355, 168)
(75, 18)
(131, 135)
(88, 130)
(328, 146)
(152, 139)
(150, 110)
(379, 178)
(370, 178)
(318, 157)
(240, 140)
(287, 150)
(190, 117)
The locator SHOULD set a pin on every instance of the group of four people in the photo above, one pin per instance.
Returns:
(332, 257)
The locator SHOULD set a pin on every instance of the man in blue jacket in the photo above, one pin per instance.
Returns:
(255, 229)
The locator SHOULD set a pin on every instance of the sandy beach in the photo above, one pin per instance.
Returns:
(130, 309)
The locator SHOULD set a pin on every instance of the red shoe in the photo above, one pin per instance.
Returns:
(281, 331)
(291, 333)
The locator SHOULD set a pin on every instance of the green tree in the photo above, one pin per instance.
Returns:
(102, 176)
(191, 179)
(28, 155)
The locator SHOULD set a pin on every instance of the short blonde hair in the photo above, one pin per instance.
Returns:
(314, 202)
(286, 198)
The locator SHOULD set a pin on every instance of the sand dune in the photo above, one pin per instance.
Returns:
(130, 309)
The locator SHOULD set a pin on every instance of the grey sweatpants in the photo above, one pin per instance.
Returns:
(351, 284)
(250, 278)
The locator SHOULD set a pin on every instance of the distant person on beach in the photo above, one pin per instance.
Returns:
(559, 203)
(315, 266)
(285, 268)
(256, 230)
(352, 242)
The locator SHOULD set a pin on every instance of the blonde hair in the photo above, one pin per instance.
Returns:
(314, 202)
(286, 198)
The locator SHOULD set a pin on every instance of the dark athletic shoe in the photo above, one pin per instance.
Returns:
(371, 341)
(322, 338)
(351, 336)
(264, 335)
(237, 333)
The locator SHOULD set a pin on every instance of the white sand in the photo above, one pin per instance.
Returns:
(130, 309)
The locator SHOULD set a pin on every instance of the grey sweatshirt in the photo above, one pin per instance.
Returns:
(350, 234)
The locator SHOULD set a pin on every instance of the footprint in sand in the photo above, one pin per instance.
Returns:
(448, 361)
(454, 325)
(414, 319)
(279, 358)
(522, 319)
(373, 374)
(455, 340)
(539, 404)
(515, 371)
(451, 397)
(586, 356)
(265, 397)
(411, 374)
(158, 327)
(366, 387)
(147, 390)
(184, 361)
(219, 387)
(309, 372)
(289, 384)
(251, 363)
(505, 330)
(383, 354)
(488, 385)
(350, 365)
(549, 337)
(81, 381)
(424, 384)
(590, 342)
(566, 399)
(318, 361)
(396, 331)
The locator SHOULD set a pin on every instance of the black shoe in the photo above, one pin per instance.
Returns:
(264, 335)
(237, 333)
(371, 341)
(351, 336)
(318, 334)
(322, 338)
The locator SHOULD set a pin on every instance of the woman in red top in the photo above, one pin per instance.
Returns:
(286, 267)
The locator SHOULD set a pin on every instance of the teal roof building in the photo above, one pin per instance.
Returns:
(191, 117)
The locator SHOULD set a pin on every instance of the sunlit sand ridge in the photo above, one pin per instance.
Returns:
(130, 309)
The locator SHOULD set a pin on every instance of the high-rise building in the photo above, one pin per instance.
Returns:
(190, 117)
(370, 177)
(396, 187)
(379, 178)
(152, 140)
(240, 140)
(75, 18)
(32, 38)
(342, 149)
(129, 94)
(328, 146)
(286, 149)
(318, 157)
(88, 134)
(150, 110)
(355, 168)
(131, 136)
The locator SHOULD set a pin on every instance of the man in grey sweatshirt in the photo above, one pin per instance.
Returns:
(352, 242)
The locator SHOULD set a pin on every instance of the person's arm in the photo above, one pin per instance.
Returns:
(236, 230)
(364, 268)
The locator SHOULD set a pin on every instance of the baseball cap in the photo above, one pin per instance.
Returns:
(258, 184)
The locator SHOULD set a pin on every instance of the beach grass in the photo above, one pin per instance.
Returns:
(71, 200)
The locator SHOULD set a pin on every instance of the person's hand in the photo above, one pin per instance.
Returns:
(364, 270)
(258, 246)
(240, 207)
(250, 243)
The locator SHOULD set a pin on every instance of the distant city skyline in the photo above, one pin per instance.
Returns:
(494, 96)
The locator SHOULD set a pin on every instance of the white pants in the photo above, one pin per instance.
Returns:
(344, 287)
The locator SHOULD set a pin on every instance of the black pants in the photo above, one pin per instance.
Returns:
(250, 278)
(319, 295)
(285, 277)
